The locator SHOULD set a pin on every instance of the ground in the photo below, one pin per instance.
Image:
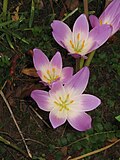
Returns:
(45, 143)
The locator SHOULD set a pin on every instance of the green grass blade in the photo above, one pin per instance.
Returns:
(32, 14)
(9, 41)
(5, 5)
(2, 24)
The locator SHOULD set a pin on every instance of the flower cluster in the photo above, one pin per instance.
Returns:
(65, 99)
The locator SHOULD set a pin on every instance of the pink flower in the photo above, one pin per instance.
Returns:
(80, 42)
(67, 102)
(51, 71)
(111, 16)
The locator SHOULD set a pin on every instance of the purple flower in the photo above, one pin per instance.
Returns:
(51, 71)
(111, 16)
(67, 102)
(80, 41)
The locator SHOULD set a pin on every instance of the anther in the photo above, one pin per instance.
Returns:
(72, 44)
(78, 36)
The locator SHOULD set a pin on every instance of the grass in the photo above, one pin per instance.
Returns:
(17, 39)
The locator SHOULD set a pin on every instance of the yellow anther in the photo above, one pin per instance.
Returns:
(78, 36)
(60, 98)
(72, 44)
(45, 77)
(71, 101)
(64, 103)
(48, 72)
(100, 21)
(57, 103)
(53, 69)
(56, 77)
(83, 43)
(67, 96)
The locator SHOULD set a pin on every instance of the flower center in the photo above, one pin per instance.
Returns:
(51, 75)
(63, 103)
(77, 45)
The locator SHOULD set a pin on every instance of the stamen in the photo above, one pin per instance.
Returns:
(64, 104)
(53, 69)
(67, 97)
(78, 36)
(83, 43)
(48, 72)
(46, 78)
(100, 21)
(70, 102)
(72, 44)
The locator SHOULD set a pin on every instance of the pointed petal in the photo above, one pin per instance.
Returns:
(57, 60)
(94, 21)
(39, 59)
(57, 89)
(67, 73)
(116, 24)
(57, 117)
(90, 47)
(111, 11)
(81, 26)
(79, 120)
(42, 99)
(88, 102)
(100, 34)
(80, 80)
(60, 32)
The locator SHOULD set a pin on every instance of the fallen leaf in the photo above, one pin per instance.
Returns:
(15, 16)
(64, 150)
(30, 72)
(113, 140)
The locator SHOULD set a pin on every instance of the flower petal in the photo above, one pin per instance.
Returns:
(57, 60)
(94, 21)
(67, 73)
(100, 34)
(39, 59)
(60, 32)
(79, 120)
(116, 24)
(90, 47)
(80, 80)
(81, 26)
(88, 102)
(111, 11)
(42, 99)
(57, 89)
(57, 117)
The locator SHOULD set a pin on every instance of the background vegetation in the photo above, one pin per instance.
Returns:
(25, 25)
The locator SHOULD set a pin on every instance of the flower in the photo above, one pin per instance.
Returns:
(50, 71)
(80, 41)
(111, 16)
(67, 102)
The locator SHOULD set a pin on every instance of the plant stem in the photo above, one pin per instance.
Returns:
(13, 117)
(90, 57)
(32, 13)
(81, 62)
(77, 64)
(96, 151)
(11, 145)
(85, 7)
(70, 14)
(5, 5)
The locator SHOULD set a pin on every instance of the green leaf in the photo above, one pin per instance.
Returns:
(118, 118)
